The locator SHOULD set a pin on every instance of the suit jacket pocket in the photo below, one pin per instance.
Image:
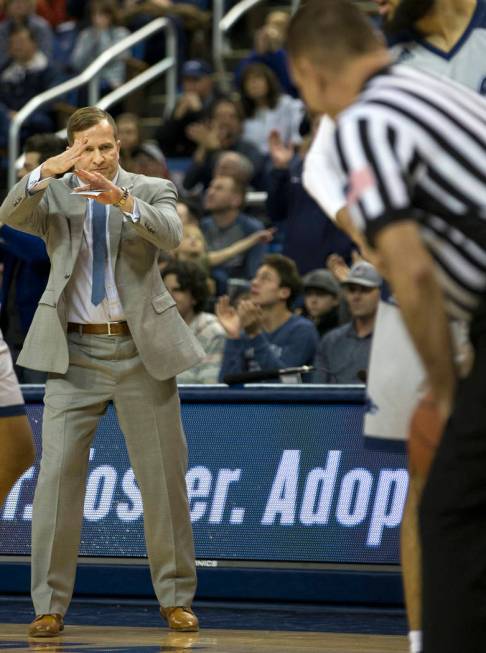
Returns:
(162, 302)
(48, 297)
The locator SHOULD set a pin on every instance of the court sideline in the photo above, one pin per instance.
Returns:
(135, 627)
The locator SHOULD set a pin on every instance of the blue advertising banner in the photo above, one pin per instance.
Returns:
(274, 475)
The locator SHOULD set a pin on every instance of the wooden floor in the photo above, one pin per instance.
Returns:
(81, 639)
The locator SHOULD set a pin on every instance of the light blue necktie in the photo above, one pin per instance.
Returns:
(98, 291)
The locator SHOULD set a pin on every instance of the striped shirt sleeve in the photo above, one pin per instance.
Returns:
(376, 162)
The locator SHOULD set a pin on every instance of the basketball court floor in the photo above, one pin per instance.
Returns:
(137, 628)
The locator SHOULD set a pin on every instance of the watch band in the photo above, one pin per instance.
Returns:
(123, 199)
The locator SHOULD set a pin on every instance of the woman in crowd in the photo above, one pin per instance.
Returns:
(102, 33)
(267, 109)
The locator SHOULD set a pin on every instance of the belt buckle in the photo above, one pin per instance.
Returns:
(109, 328)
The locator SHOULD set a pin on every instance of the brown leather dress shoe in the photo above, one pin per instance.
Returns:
(181, 619)
(46, 625)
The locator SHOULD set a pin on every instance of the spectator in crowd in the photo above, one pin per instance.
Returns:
(343, 353)
(194, 248)
(26, 73)
(221, 132)
(190, 211)
(263, 333)
(25, 264)
(37, 149)
(236, 165)
(191, 18)
(103, 32)
(54, 11)
(129, 137)
(22, 12)
(187, 283)
(269, 50)
(226, 224)
(310, 236)
(149, 160)
(321, 300)
(194, 104)
(267, 109)
(76, 9)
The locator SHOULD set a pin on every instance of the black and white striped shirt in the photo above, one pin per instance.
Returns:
(413, 146)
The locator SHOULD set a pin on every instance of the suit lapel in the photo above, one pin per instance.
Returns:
(75, 216)
(115, 222)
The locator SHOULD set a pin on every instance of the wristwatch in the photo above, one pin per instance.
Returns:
(123, 199)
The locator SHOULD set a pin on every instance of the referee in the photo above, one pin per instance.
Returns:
(410, 152)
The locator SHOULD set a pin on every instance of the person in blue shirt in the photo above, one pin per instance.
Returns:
(263, 333)
(270, 50)
(226, 224)
(25, 265)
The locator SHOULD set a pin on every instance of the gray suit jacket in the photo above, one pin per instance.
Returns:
(165, 343)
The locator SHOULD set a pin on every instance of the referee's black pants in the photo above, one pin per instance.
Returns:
(453, 520)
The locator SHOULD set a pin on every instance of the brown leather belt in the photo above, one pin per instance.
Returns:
(106, 329)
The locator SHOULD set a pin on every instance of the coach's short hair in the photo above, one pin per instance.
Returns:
(331, 30)
(87, 117)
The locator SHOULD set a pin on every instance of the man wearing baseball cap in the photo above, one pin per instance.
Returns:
(321, 300)
(343, 353)
(194, 104)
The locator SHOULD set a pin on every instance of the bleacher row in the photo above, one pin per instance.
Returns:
(234, 145)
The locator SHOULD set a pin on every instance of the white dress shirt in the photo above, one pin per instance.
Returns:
(80, 309)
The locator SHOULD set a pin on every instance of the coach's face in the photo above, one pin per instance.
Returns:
(102, 151)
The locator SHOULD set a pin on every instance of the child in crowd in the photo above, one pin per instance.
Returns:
(193, 247)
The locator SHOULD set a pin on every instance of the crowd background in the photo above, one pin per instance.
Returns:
(265, 285)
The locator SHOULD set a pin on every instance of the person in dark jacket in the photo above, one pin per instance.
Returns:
(193, 105)
(26, 73)
(222, 132)
(321, 300)
(310, 236)
(26, 265)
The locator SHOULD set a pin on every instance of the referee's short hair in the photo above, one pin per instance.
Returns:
(331, 31)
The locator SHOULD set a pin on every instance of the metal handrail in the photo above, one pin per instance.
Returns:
(90, 76)
(218, 39)
(236, 12)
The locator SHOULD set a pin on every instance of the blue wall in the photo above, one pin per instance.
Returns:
(275, 476)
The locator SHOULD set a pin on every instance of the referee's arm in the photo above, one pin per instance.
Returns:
(375, 159)
(410, 270)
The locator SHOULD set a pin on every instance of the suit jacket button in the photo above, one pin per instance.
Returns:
(66, 276)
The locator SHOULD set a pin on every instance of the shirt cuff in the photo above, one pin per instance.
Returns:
(134, 216)
(35, 183)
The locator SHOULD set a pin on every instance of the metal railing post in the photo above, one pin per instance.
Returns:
(171, 76)
(94, 91)
(13, 151)
(218, 10)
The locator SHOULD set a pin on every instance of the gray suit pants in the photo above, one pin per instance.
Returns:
(104, 368)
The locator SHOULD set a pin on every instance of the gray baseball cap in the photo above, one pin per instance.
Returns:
(364, 274)
(322, 279)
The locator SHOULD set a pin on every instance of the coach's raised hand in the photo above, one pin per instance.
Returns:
(95, 181)
(58, 165)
